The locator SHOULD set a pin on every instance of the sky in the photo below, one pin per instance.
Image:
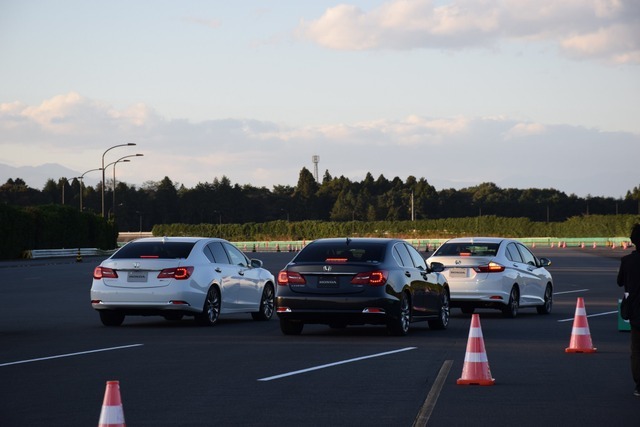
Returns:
(521, 93)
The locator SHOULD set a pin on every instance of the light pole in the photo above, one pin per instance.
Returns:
(105, 152)
(120, 160)
(80, 178)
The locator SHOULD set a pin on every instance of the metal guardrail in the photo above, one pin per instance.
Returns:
(61, 253)
(426, 245)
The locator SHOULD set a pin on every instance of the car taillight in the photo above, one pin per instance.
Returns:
(371, 278)
(104, 273)
(178, 273)
(290, 278)
(492, 267)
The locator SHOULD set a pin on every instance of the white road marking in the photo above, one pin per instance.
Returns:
(422, 419)
(69, 355)
(571, 292)
(591, 315)
(315, 368)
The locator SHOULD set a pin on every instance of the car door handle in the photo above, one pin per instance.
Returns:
(218, 270)
(407, 273)
(241, 272)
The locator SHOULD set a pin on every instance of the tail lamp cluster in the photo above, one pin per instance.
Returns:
(371, 278)
(177, 273)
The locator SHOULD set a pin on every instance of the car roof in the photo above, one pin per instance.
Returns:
(174, 239)
(477, 240)
(339, 240)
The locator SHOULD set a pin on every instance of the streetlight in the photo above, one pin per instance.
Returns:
(120, 160)
(80, 178)
(110, 148)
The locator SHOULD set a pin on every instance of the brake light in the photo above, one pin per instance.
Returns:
(290, 278)
(492, 267)
(333, 260)
(371, 278)
(104, 273)
(178, 273)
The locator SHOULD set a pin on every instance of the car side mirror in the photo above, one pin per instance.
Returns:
(436, 267)
(545, 262)
(256, 263)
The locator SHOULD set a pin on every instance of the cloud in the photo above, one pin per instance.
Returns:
(597, 29)
(211, 23)
(73, 131)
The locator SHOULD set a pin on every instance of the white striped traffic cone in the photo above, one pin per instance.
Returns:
(580, 334)
(476, 365)
(112, 414)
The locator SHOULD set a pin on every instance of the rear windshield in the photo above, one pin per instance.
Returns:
(342, 252)
(467, 249)
(161, 250)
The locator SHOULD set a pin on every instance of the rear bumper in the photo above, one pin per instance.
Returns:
(329, 310)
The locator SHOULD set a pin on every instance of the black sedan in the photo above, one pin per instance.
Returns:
(345, 281)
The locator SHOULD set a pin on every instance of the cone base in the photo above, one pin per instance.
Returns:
(580, 350)
(462, 381)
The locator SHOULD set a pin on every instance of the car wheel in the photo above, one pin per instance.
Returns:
(289, 327)
(511, 309)
(399, 326)
(548, 301)
(443, 321)
(267, 303)
(111, 318)
(211, 309)
(468, 310)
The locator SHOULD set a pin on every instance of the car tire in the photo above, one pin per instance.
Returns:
(548, 301)
(511, 309)
(211, 309)
(289, 327)
(399, 326)
(443, 321)
(267, 304)
(468, 310)
(111, 317)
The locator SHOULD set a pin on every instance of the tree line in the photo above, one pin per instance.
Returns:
(335, 199)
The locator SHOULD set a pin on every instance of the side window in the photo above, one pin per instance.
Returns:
(403, 253)
(418, 260)
(218, 253)
(512, 253)
(236, 257)
(527, 256)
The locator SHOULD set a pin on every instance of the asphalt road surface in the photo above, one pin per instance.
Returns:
(56, 357)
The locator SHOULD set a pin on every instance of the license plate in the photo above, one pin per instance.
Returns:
(458, 272)
(328, 282)
(137, 276)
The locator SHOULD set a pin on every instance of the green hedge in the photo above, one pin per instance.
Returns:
(51, 227)
(583, 226)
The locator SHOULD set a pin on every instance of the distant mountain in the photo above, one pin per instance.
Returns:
(37, 176)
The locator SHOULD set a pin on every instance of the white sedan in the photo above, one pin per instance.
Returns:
(490, 272)
(177, 276)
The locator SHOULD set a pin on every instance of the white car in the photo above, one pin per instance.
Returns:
(181, 276)
(490, 272)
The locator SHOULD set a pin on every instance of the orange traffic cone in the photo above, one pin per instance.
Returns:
(476, 366)
(580, 335)
(112, 414)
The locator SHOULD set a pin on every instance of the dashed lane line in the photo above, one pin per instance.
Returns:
(328, 365)
(80, 353)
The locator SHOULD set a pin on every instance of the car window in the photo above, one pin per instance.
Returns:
(156, 249)
(403, 254)
(236, 257)
(513, 254)
(467, 249)
(218, 254)
(418, 260)
(527, 256)
(369, 252)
